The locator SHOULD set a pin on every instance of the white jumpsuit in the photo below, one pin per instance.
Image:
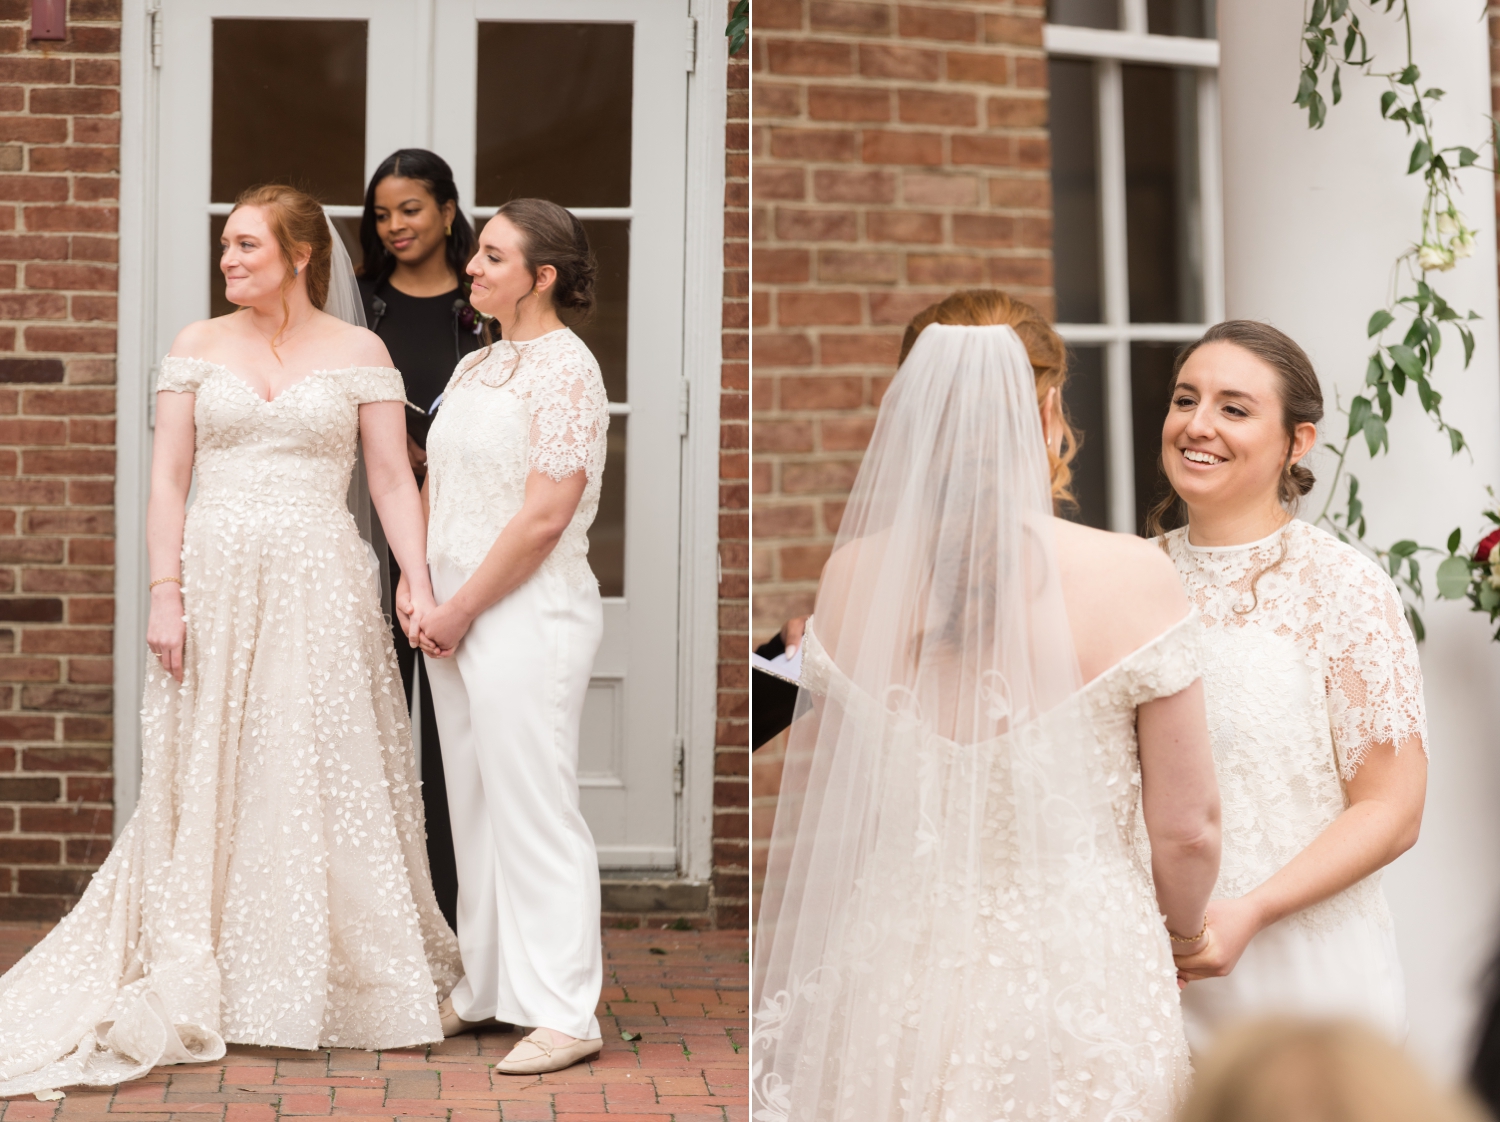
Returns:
(509, 701)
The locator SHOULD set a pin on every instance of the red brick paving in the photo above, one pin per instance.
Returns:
(687, 1008)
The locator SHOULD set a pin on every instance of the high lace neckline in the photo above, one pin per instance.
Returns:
(1256, 544)
(538, 339)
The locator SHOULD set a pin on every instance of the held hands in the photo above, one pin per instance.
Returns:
(1231, 925)
(436, 630)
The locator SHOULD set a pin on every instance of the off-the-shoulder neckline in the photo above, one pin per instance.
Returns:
(1159, 639)
(288, 388)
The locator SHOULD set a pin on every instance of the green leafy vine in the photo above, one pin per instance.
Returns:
(739, 27)
(1332, 40)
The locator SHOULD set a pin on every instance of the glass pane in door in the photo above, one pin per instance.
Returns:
(554, 113)
(554, 103)
(289, 106)
(607, 534)
(606, 332)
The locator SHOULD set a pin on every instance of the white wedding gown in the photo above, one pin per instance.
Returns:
(1302, 678)
(271, 887)
(1062, 991)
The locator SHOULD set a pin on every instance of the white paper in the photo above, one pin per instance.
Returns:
(787, 669)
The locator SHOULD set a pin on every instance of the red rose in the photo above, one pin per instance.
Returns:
(1491, 540)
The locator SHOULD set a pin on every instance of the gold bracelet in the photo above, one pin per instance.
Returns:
(1191, 938)
(163, 580)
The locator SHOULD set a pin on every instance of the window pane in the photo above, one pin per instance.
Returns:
(607, 535)
(1084, 396)
(1150, 390)
(554, 113)
(1163, 214)
(1194, 18)
(289, 107)
(1075, 190)
(1085, 13)
(605, 333)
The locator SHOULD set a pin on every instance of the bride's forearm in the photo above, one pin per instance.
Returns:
(400, 511)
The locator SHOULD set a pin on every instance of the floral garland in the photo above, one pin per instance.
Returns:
(1332, 38)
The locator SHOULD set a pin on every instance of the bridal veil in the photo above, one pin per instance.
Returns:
(932, 900)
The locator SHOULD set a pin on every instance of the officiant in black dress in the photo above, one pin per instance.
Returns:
(416, 244)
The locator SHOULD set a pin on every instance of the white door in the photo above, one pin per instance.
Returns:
(585, 102)
(318, 92)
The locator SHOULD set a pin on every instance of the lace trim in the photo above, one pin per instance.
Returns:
(367, 384)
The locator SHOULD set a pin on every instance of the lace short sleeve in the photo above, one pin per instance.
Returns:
(1374, 678)
(1168, 664)
(569, 417)
(375, 383)
(181, 375)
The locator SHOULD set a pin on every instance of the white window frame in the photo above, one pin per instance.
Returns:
(1109, 50)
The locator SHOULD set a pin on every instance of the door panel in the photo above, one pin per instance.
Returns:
(533, 97)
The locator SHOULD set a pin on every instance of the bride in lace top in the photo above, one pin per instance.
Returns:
(1314, 700)
(271, 887)
(955, 923)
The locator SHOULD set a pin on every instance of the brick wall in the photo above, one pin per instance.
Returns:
(59, 159)
(900, 151)
(732, 754)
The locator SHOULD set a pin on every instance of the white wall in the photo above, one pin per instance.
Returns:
(1313, 221)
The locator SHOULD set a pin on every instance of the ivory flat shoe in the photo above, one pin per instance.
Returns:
(536, 1054)
(453, 1024)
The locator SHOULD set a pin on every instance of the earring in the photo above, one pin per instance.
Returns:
(449, 230)
(294, 270)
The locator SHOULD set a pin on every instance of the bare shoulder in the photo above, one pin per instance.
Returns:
(199, 339)
(1128, 581)
(355, 346)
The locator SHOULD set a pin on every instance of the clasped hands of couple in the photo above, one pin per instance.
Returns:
(436, 629)
(1228, 927)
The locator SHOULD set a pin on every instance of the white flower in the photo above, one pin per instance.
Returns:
(1447, 224)
(1463, 245)
(1434, 257)
(1494, 557)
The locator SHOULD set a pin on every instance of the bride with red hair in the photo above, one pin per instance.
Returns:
(271, 887)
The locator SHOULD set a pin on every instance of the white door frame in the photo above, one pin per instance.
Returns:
(139, 349)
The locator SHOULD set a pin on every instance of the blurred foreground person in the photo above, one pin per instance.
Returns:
(955, 922)
(1285, 1070)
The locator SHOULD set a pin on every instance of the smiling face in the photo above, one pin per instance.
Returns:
(502, 278)
(1224, 443)
(251, 261)
(409, 220)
